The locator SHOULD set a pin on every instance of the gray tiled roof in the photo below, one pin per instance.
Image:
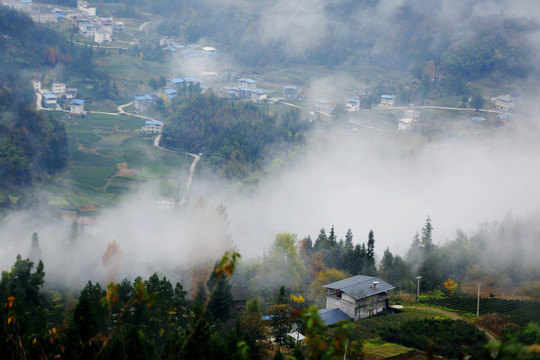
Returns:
(360, 286)
(332, 316)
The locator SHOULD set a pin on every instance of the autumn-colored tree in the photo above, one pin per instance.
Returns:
(450, 285)
(324, 277)
(316, 265)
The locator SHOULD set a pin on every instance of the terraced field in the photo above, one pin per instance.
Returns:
(520, 312)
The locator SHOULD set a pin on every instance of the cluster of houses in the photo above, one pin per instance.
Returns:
(246, 90)
(59, 90)
(88, 25)
(325, 105)
(83, 18)
(174, 47)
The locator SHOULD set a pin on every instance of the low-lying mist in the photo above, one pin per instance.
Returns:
(362, 180)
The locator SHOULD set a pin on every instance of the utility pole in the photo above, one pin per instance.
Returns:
(478, 301)
(418, 278)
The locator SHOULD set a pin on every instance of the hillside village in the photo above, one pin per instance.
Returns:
(160, 112)
(101, 30)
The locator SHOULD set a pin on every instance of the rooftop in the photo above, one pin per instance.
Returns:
(332, 316)
(150, 122)
(505, 98)
(76, 102)
(360, 286)
(143, 97)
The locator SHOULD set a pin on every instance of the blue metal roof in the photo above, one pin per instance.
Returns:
(143, 97)
(478, 118)
(171, 91)
(353, 100)
(332, 316)
(150, 122)
(77, 102)
(390, 97)
(360, 286)
(290, 87)
(49, 96)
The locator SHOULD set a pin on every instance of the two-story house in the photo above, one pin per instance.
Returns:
(357, 297)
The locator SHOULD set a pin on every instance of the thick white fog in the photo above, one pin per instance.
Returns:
(358, 180)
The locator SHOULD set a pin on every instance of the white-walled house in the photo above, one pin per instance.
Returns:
(352, 104)
(36, 84)
(49, 100)
(358, 296)
(505, 103)
(59, 89)
(152, 127)
(387, 101)
(76, 108)
(247, 83)
(142, 103)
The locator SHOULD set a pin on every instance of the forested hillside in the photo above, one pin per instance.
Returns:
(25, 44)
(32, 145)
(466, 44)
(233, 136)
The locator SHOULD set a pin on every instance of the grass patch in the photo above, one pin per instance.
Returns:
(89, 137)
(384, 349)
(130, 123)
(58, 201)
(369, 328)
(93, 177)
(84, 159)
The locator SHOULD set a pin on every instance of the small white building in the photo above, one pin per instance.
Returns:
(36, 84)
(170, 94)
(387, 101)
(101, 36)
(505, 103)
(49, 100)
(152, 127)
(290, 92)
(142, 103)
(352, 104)
(59, 89)
(258, 95)
(88, 30)
(76, 108)
(247, 83)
